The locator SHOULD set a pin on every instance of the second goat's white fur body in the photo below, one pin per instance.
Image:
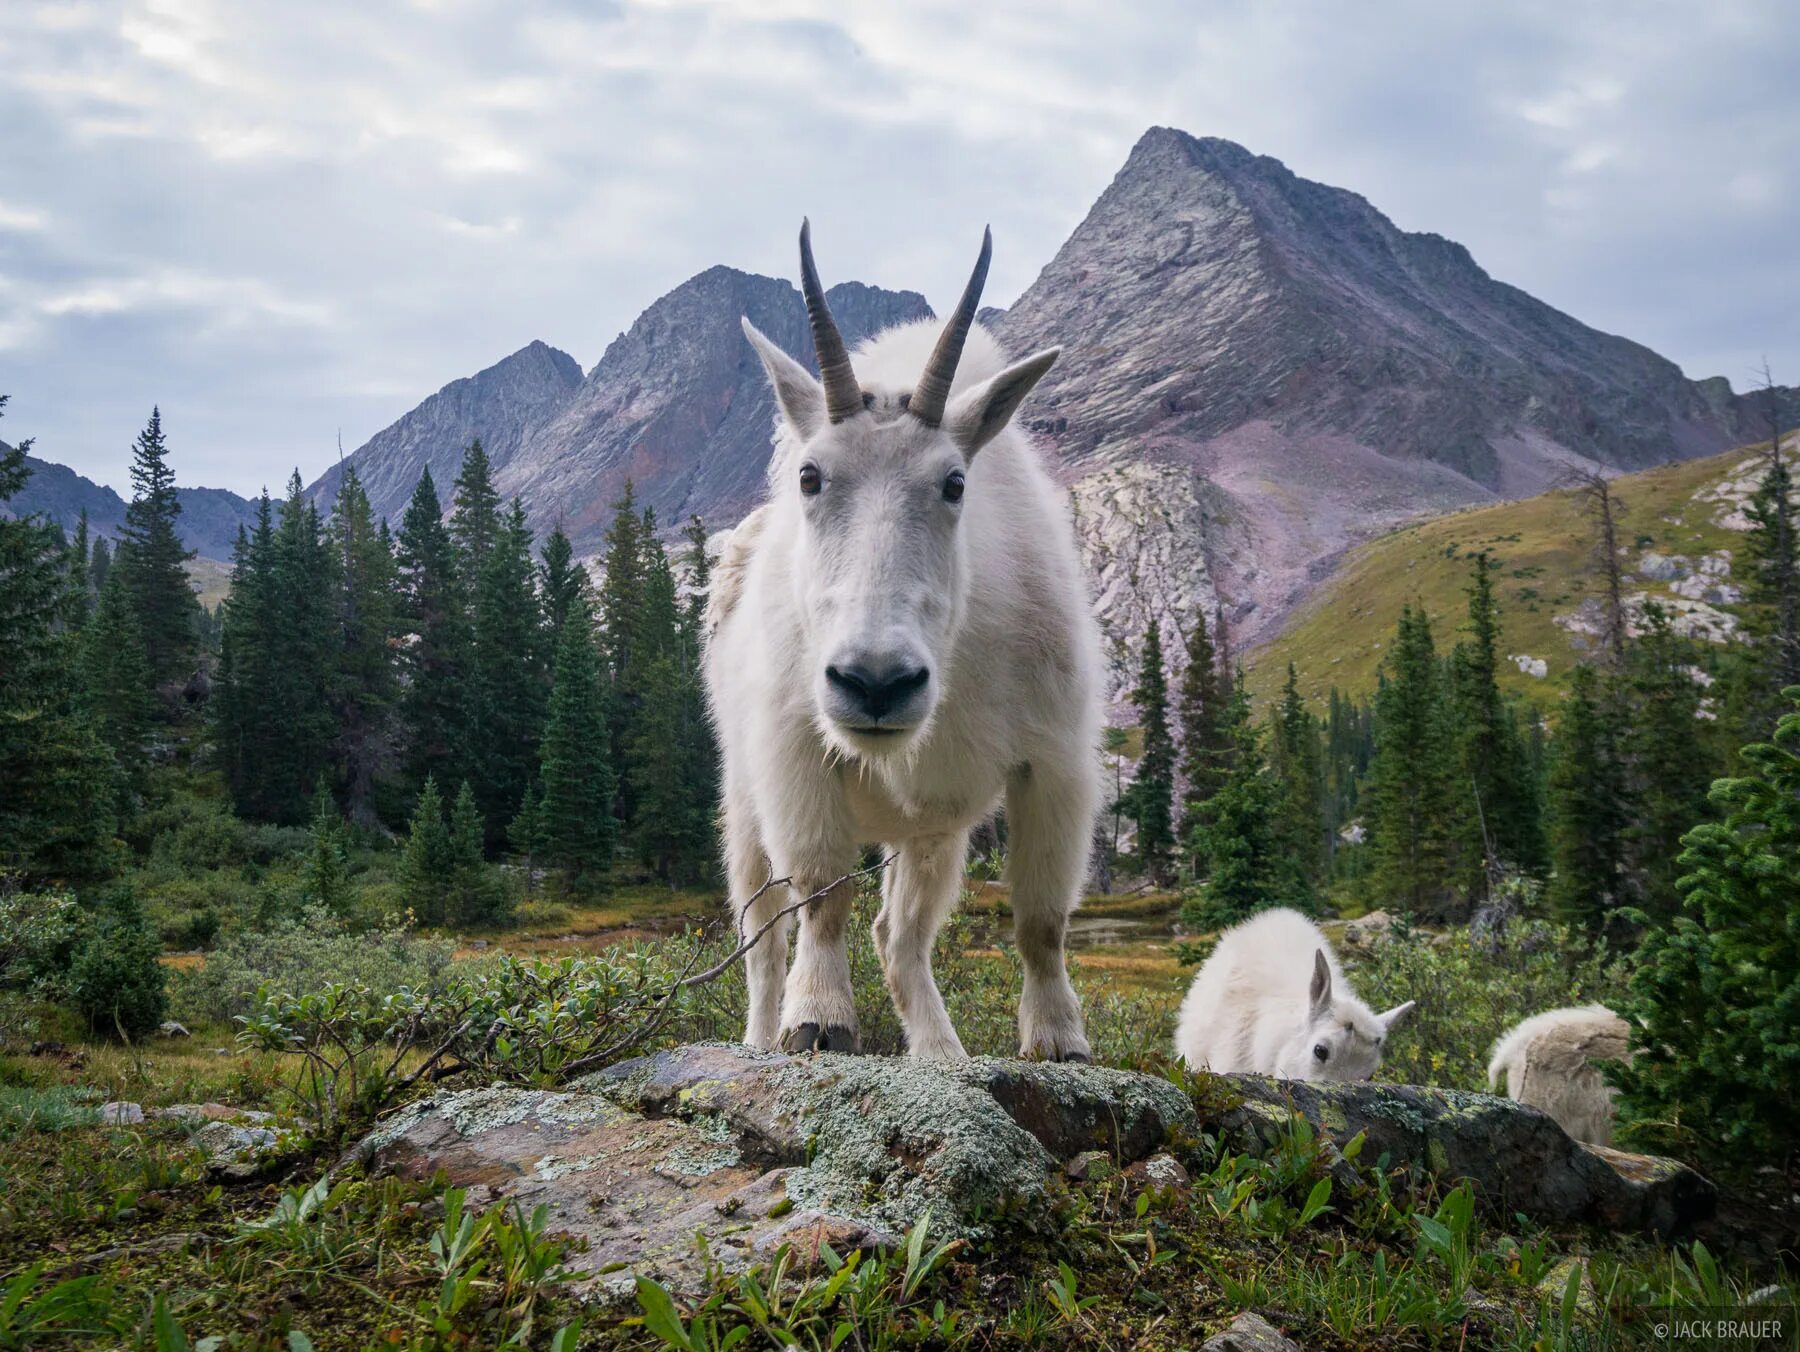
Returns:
(1548, 1060)
(993, 602)
(1271, 999)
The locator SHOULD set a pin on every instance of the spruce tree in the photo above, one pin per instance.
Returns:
(435, 706)
(1250, 865)
(577, 827)
(509, 689)
(100, 567)
(1769, 659)
(1205, 744)
(1672, 762)
(1153, 789)
(243, 701)
(1715, 992)
(303, 645)
(365, 684)
(1590, 806)
(1296, 760)
(81, 593)
(475, 521)
(1411, 807)
(563, 584)
(152, 559)
(1504, 825)
(427, 868)
(115, 678)
(477, 895)
(325, 878)
(57, 780)
(621, 610)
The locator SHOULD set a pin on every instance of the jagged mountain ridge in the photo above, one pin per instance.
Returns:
(499, 405)
(209, 520)
(1331, 373)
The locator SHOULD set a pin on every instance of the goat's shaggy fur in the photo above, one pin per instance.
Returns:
(1548, 1061)
(1271, 999)
(991, 597)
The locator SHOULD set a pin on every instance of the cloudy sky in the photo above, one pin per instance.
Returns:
(289, 222)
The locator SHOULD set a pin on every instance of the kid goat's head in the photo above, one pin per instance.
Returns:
(1340, 1039)
(879, 478)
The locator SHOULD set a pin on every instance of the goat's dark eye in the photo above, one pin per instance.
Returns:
(953, 486)
(1321, 1052)
(810, 480)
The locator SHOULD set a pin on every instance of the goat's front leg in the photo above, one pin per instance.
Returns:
(921, 886)
(755, 901)
(818, 1008)
(1049, 820)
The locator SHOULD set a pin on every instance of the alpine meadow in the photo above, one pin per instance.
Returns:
(1236, 786)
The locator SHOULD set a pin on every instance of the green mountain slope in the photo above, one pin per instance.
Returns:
(1680, 530)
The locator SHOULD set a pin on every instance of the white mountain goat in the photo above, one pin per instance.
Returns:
(1257, 1007)
(1548, 1062)
(900, 635)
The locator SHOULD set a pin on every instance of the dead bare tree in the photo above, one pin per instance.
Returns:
(1603, 509)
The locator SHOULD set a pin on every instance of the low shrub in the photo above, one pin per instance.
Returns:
(1471, 989)
(313, 950)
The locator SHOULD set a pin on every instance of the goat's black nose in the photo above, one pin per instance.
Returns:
(877, 690)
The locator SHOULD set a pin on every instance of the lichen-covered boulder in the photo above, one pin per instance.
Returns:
(1518, 1158)
(757, 1149)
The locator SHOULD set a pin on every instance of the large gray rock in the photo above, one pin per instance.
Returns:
(756, 1150)
(1518, 1158)
(1250, 1332)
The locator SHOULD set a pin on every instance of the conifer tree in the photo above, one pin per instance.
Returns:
(364, 683)
(302, 641)
(509, 689)
(1205, 745)
(477, 895)
(100, 566)
(1505, 823)
(1153, 790)
(563, 584)
(577, 826)
(1672, 762)
(56, 776)
(1769, 659)
(699, 569)
(621, 611)
(434, 613)
(525, 832)
(152, 559)
(325, 879)
(115, 678)
(1410, 806)
(82, 595)
(243, 688)
(1296, 760)
(1715, 992)
(475, 520)
(1590, 806)
(427, 868)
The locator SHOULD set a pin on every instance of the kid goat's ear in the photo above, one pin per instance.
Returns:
(977, 415)
(1321, 981)
(801, 397)
(1396, 1014)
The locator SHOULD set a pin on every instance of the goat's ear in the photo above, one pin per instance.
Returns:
(1321, 981)
(801, 397)
(976, 416)
(1396, 1014)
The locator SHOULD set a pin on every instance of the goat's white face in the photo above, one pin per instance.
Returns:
(1341, 1039)
(880, 482)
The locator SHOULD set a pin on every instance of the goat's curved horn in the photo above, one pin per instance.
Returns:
(843, 397)
(933, 390)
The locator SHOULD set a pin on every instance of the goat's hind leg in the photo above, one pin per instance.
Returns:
(1049, 819)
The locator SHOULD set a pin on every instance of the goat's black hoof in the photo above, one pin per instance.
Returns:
(1076, 1059)
(809, 1037)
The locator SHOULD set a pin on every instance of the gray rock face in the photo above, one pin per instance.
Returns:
(1250, 1332)
(1329, 371)
(679, 404)
(756, 1150)
(499, 405)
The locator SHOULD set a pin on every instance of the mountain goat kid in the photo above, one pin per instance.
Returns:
(901, 634)
(1254, 1010)
(1548, 1062)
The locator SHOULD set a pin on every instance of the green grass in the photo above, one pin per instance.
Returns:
(1540, 546)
